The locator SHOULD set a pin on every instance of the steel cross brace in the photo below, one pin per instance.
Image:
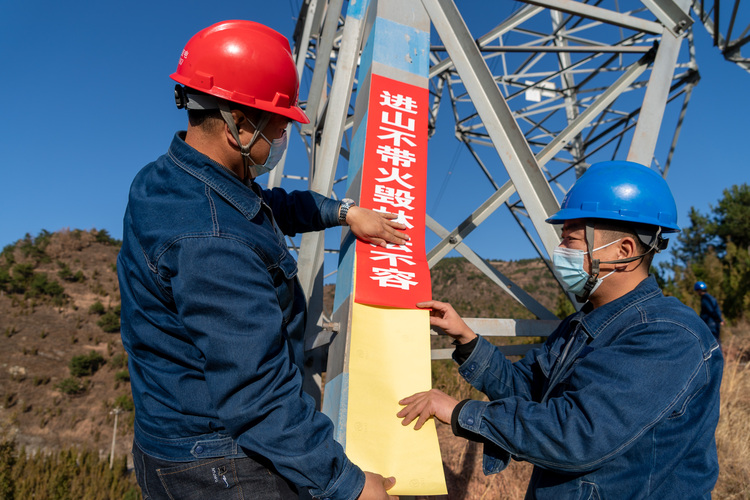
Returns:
(507, 137)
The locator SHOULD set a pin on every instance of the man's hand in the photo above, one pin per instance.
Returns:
(444, 316)
(375, 227)
(376, 487)
(426, 404)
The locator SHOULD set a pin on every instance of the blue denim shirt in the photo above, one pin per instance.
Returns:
(621, 401)
(213, 321)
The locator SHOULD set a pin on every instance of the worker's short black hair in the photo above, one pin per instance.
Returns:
(202, 117)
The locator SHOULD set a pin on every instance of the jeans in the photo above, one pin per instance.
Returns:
(214, 478)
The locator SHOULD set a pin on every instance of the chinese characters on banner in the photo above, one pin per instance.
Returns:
(394, 176)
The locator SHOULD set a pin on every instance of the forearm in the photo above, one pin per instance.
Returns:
(490, 372)
(613, 396)
(302, 211)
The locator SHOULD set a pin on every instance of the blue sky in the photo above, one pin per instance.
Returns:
(87, 101)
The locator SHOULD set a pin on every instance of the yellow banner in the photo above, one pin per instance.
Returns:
(389, 360)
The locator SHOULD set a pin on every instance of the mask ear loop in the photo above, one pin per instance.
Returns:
(247, 161)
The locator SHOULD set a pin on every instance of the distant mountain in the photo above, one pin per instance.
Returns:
(63, 369)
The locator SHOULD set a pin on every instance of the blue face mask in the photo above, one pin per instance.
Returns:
(568, 264)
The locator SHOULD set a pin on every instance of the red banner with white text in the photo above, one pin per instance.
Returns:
(394, 176)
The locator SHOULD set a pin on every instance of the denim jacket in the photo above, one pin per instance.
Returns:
(621, 401)
(213, 321)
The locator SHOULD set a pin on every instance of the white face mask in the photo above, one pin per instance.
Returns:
(568, 264)
(278, 148)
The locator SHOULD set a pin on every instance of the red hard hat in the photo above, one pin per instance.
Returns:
(243, 62)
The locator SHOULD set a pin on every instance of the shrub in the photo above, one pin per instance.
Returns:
(122, 376)
(21, 279)
(40, 285)
(7, 252)
(102, 236)
(5, 279)
(85, 364)
(70, 386)
(109, 322)
(124, 402)
(66, 274)
(119, 360)
(33, 248)
(97, 308)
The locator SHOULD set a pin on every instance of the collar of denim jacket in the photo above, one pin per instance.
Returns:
(215, 176)
(597, 320)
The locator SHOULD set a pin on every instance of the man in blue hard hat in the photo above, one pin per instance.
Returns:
(710, 310)
(622, 400)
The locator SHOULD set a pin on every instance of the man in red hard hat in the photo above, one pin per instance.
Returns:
(212, 313)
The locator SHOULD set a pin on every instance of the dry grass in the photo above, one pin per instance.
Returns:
(462, 460)
(733, 432)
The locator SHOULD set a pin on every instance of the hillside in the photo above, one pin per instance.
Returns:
(44, 326)
(457, 281)
(58, 295)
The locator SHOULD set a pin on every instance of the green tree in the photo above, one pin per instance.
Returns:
(695, 239)
(736, 285)
(714, 248)
(21, 278)
(732, 217)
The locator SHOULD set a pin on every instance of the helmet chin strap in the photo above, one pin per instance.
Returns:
(657, 244)
(247, 160)
(594, 274)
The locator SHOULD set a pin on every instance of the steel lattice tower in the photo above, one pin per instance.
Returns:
(537, 89)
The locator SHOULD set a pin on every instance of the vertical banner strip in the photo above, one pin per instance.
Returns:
(394, 177)
(382, 353)
(390, 360)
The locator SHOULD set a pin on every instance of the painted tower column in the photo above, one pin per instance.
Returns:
(381, 353)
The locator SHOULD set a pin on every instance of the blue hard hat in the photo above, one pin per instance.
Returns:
(620, 191)
(700, 285)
